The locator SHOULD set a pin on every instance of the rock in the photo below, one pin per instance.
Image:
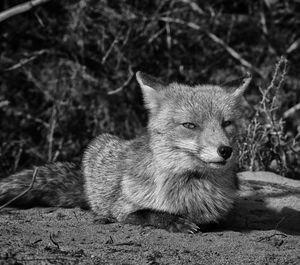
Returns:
(267, 201)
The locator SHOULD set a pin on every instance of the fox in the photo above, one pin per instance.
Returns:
(179, 175)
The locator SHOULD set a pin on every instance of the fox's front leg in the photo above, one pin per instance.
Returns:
(125, 212)
(170, 222)
(108, 212)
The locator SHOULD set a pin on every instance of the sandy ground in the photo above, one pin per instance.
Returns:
(263, 229)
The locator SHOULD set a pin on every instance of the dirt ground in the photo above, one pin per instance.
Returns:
(259, 231)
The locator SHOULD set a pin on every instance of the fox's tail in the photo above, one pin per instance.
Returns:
(57, 184)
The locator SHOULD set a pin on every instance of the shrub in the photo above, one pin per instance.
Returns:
(67, 70)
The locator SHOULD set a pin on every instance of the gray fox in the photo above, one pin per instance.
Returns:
(179, 175)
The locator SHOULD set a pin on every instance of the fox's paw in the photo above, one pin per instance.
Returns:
(103, 220)
(183, 225)
(163, 220)
(133, 219)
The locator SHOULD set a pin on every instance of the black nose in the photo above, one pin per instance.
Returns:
(225, 151)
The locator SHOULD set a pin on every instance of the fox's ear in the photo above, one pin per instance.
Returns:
(150, 87)
(241, 89)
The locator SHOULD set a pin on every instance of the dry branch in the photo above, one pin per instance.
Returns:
(110, 48)
(194, 6)
(233, 53)
(130, 76)
(26, 60)
(291, 111)
(21, 8)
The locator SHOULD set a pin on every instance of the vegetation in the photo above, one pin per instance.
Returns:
(67, 72)
(266, 145)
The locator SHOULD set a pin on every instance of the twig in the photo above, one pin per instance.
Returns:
(52, 124)
(131, 74)
(18, 9)
(53, 241)
(76, 216)
(269, 237)
(21, 63)
(18, 156)
(26, 61)
(24, 192)
(293, 46)
(169, 38)
(156, 35)
(110, 240)
(277, 225)
(194, 6)
(291, 111)
(116, 40)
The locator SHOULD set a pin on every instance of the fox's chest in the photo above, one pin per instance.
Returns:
(201, 201)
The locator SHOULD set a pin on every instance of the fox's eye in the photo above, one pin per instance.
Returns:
(226, 123)
(189, 125)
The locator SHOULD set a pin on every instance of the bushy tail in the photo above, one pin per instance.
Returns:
(57, 184)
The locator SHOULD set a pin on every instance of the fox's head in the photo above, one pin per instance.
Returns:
(198, 122)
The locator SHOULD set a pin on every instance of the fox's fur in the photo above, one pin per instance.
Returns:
(174, 176)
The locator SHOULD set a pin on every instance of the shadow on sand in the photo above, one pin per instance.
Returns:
(272, 208)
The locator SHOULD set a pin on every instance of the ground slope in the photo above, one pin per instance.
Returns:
(264, 228)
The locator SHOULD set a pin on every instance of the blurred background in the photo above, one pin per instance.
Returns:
(67, 72)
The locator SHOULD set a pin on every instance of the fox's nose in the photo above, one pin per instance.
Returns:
(225, 151)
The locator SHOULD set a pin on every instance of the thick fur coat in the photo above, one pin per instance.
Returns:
(180, 174)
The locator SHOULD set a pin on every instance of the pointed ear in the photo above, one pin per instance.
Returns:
(150, 87)
(241, 89)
